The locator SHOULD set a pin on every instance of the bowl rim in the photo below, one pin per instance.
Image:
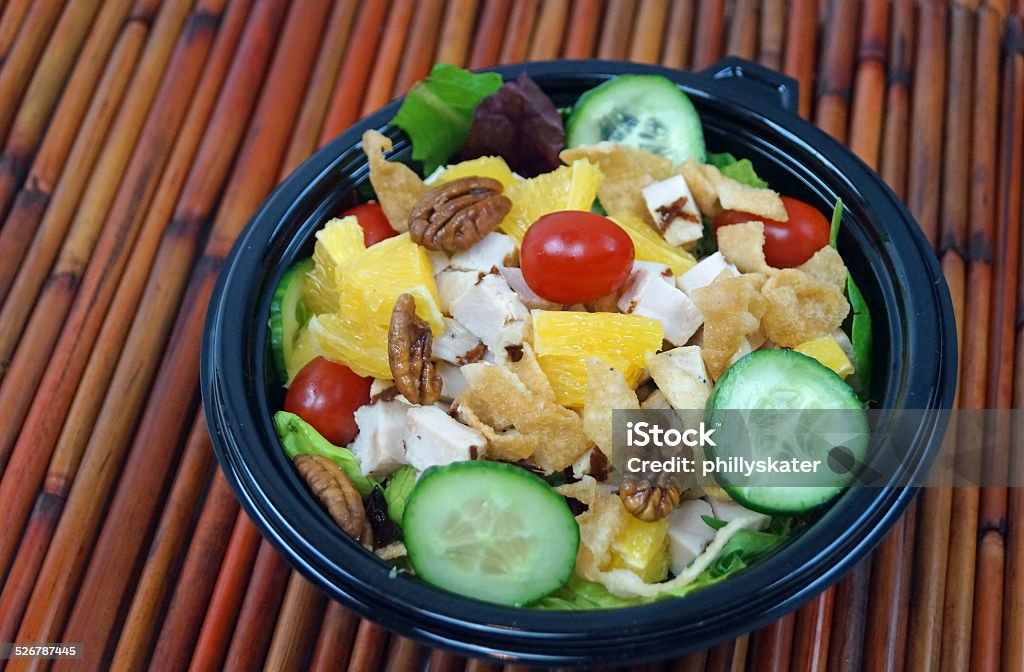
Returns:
(410, 606)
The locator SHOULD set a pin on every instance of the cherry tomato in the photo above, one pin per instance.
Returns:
(575, 257)
(786, 244)
(375, 225)
(326, 395)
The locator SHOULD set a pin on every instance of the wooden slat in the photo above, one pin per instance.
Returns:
(297, 626)
(225, 602)
(583, 26)
(392, 44)
(16, 234)
(676, 52)
(10, 23)
(1013, 616)
(21, 62)
(44, 89)
(114, 246)
(419, 50)
(618, 18)
(963, 538)
(336, 639)
(801, 37)
(195, 587)
(250, 636)
(989, 590)
(170, 542)
(548, 34)
(708, 41)
(835, 72)
(520, 27)
(890, 81)
(773, 33)
(457, 32)
(743, 29)
(648, 31)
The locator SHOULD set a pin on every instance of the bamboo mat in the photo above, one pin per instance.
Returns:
(140, 135)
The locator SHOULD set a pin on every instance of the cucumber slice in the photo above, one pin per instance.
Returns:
(490, 530)
(645, 111)
(288, 314)
(820, 412)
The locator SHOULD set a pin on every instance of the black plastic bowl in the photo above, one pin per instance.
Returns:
(746, 110)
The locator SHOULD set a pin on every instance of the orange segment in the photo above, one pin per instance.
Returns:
(485, 166)
(567, 188)
(338, 241)
(356, 334)
(650, 246)
(564, 340)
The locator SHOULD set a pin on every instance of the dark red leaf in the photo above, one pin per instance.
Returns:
(520, 124)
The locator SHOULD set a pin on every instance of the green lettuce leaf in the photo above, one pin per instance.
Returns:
(397, 492)
(837, 218)
(579, 593)
(860, 324)
(743, 549)
(438, 111)
(299, 438)
(741, 170)
(714, 523)
(860, 333)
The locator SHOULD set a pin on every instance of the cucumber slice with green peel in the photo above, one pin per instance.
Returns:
(776, 406)
(288, 314)
(644, 111)
(490, 530)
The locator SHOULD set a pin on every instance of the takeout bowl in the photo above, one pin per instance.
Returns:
(745, 109)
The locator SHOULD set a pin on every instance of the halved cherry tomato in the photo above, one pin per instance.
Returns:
(575, 257)
(375, 225)
(786, 244)
(326, 395)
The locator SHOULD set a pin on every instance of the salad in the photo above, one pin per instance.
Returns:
(455, 347)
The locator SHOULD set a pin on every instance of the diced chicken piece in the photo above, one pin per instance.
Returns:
(658, 269)
(655, 400)
(705, 272)
(451, 285)
(514, 277)
(740, 353)
(379, 442)
(432, 437)
(432, 178)
(688, 534)
(647, 294)
(491, 252)
(457, 345)
(493, 312)
(591, 463)
(674, 212)
(728, 511)
(680, 374)
(453, 383)
(846, 345)
(379, 385)
(439, 259)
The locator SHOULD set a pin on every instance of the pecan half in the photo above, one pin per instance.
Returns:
(409, 346)
(457, 214)
(649, 501)
(335, 490)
